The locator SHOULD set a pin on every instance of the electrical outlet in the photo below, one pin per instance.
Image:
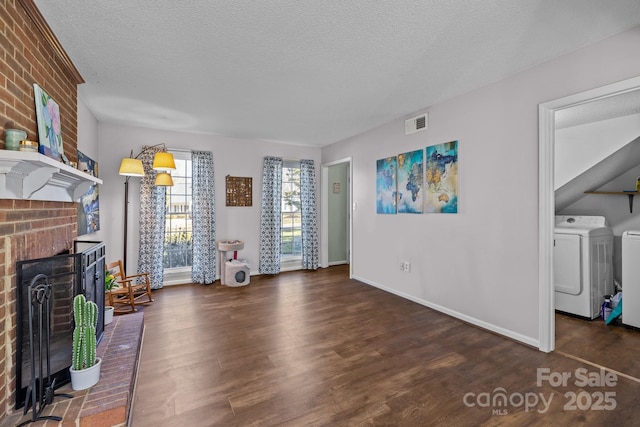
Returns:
(406, 266)
(402, 265)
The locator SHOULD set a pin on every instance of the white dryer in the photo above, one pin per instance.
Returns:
(631, 278)
(582, 264)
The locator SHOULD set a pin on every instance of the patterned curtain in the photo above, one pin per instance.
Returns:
(270, 218)
(309, 215)
(152, 218)
(203, 269)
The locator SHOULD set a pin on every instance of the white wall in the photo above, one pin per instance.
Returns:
(88, 144)
(482, 263)
(87, 131)
(231, 156)
(578, 148)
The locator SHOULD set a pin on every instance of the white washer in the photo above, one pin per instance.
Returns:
(582, 264)
(631, 278)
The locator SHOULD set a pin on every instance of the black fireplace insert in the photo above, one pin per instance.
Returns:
(68, 275)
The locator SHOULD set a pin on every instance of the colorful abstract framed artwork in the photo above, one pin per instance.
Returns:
(441, 178)
(409, 198)
(89, 205)
(386, 170)
(49, 129)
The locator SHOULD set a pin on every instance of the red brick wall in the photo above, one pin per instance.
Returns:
(29, 229)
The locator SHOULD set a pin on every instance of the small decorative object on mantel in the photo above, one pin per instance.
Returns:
(239, 191)
(29, 146)
(12, 138)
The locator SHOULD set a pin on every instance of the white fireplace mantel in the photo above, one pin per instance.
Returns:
(34, 176)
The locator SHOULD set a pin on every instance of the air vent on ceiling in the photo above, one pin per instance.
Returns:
(415, 124)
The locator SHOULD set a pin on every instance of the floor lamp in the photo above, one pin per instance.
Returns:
(132, 166)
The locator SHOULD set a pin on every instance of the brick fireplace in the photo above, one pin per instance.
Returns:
(29, 53)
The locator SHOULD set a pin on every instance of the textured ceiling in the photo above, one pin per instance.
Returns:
(308, 72)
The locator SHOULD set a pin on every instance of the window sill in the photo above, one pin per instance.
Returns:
(181, 276)
(290, 263)
(178, 276)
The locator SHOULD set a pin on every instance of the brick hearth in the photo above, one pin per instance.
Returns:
(108, 403)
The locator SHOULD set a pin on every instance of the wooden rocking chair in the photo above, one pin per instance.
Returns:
(129, 292)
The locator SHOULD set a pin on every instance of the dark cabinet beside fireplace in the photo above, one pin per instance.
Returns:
(91, 264)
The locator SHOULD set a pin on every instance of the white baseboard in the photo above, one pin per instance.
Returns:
(472, 320)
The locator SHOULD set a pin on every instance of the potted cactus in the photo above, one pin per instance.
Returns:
(85, 367)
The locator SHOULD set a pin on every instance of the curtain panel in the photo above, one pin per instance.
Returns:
(203, 269)
(309, 215)
(270, 217)
(152, 221)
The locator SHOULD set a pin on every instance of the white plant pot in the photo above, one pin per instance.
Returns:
(108, 314)
(85, 378)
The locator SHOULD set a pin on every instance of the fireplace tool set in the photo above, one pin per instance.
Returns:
(40, 391)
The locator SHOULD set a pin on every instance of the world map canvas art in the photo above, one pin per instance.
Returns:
(409, 195)
(441, 178)
(386, 185)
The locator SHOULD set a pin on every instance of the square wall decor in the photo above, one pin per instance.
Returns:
(239, 191)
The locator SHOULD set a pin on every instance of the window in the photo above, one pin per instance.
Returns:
(177, 233)
(291, 226)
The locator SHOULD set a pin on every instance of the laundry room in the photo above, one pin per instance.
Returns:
(597, 206)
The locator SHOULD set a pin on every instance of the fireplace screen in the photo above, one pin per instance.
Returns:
(67, 276)
(63, 277)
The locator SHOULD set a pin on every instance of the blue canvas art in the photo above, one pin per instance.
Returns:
(409, 195)
(89, 205)
(386, 185)
(441, 178)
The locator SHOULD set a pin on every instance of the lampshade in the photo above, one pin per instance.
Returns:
(131, 167)
(163, 161)
(163, 179)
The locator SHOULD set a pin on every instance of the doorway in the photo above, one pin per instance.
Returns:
(546, 197)
(336, 218)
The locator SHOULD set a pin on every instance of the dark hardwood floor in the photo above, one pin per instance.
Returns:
(315, 348)
(613, 346)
